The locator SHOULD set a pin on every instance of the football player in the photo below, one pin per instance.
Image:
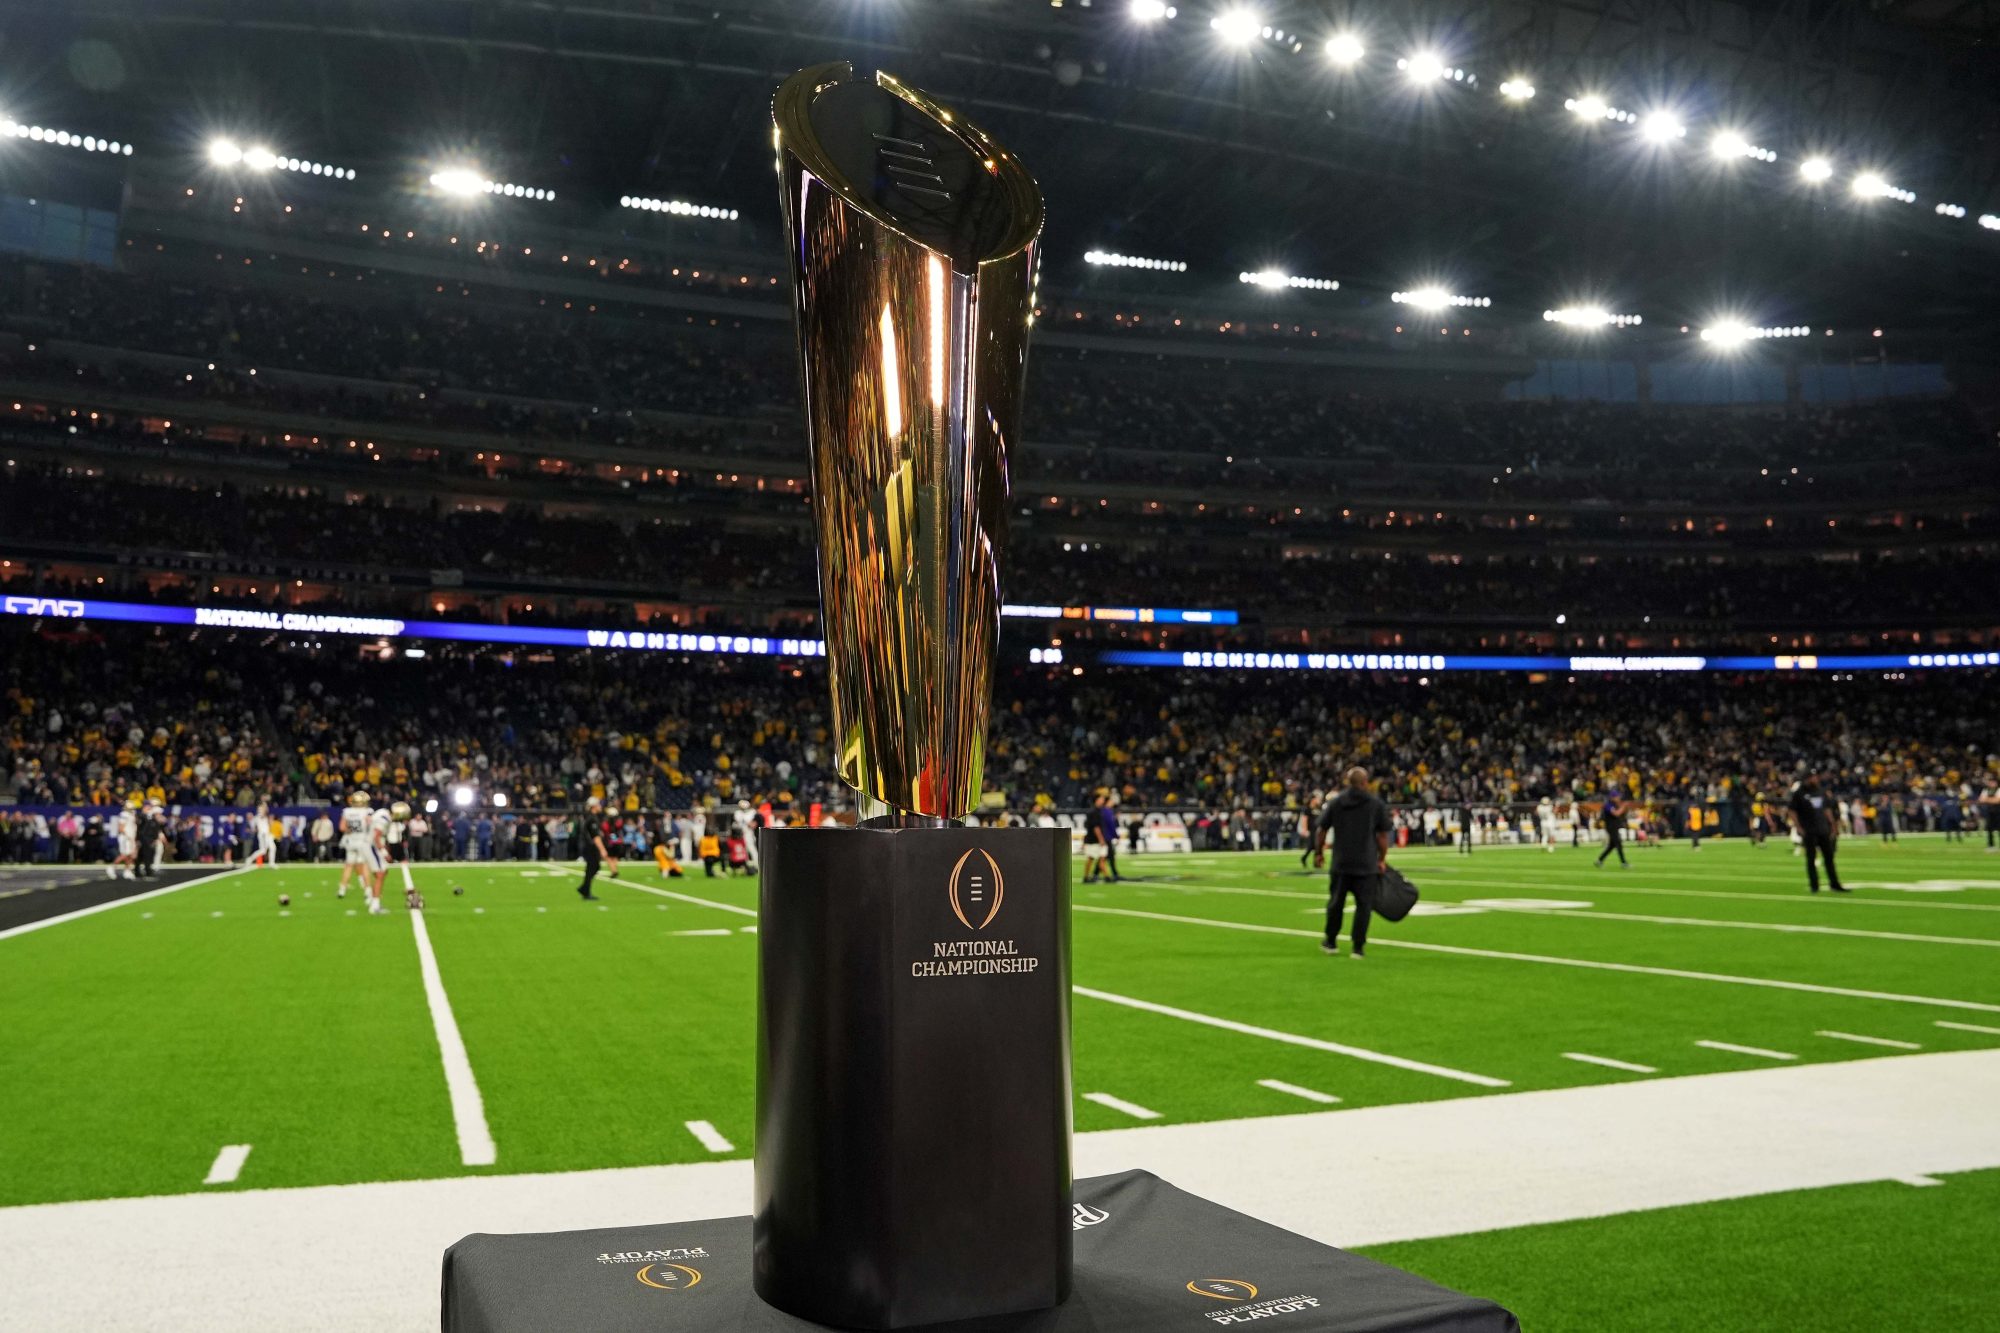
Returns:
(267, 846)
(125, 828)
(353, 843)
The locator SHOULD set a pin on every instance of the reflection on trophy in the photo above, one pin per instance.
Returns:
(913, 1023)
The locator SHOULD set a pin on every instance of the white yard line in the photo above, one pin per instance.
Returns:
(1609, 1063)
(1968, 1027)
(689, 898)
(1827, 902)
(719, 930)
(366, 1256)
(1920, 1182)
(1871, 1041)
(709, 1136)
(1292, 1038)
(1133, 1109)
(1552, 960)
(1279, 1085)
(48, 921)
(1781, 928)
(468, 1111)
(228, 1165)
(1734, 1049)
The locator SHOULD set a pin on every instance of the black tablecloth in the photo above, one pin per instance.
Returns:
(1149, 1259)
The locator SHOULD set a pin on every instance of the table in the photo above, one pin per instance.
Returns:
(1149, 1259)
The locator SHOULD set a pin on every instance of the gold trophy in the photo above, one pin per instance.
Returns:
(913, 1074)
(913, 256)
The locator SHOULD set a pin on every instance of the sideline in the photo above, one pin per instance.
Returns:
(161, 892)
(366, 1256)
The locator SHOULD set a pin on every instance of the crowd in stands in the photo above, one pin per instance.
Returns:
(229, 719)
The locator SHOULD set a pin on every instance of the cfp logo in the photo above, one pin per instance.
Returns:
(909, 164)
(669, 1277)
(977, 889)
(43, 606)
(1223, 1288)
(1083, 1215)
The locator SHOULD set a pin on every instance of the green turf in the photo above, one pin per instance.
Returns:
(142, 1039)
(1858, 1257)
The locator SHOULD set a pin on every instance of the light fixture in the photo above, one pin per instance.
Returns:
(1237, 27)
(1437, 298)
(1272, 279)
(1870, 185)
(1344, 48)
(1662, 127)
(1950, 210)
(1590, 317)
(1517, 90)
(1816, 169)
(1107, 259)
(89, 143)
(1588, 107)
(678, 207)
(1151, 11)
(1423, 67)
(461, 796)
(464, 182)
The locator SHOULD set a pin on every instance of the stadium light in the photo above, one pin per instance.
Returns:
(89, 143)
(224, 152)
(1272, 279)
(1437, 298)
(1734, 333)
(461, 796)
(499, 800)
(1990, 221)
(430, 805)
(1816, 169)
(1870, 185)
(1425, 67)
(1517, 90)
(1151, 11)
(1662, 127)
(1590, 317)
(465, 182)
(1591, 107)
(1950, 210)
(1108, 259)
(1237, 27)
(1728, 145)
(678, 207)
(1344, 48)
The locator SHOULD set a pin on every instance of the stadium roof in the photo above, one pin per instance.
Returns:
(1162, 139)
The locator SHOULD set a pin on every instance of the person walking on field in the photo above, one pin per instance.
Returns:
(1358, 823)
(1811, 812)
(1614, 829)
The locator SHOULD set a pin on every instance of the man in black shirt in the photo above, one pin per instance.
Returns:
(1358, 823)
(1614, 829)
(597, 836)
(1811, 811)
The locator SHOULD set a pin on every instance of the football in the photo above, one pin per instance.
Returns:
(284, 900)
(458, 889)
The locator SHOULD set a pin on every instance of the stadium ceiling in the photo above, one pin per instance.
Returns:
(1158, 138)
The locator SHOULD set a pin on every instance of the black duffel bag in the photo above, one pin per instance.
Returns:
(1394, 895)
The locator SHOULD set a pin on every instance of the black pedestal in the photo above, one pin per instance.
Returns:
(913, 1074)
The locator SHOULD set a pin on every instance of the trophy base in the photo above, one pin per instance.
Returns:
(913, 1074)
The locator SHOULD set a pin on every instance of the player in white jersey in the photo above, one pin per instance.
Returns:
(125, 828)
(1545, 816)
(375, 845)
(267, 845)
(354, 843)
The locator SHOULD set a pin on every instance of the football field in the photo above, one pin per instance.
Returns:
(207, 1040)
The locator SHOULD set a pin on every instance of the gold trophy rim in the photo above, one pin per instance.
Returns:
(792, 131)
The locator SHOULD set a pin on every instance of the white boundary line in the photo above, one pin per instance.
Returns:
(1890, 1042)
(1734, 1049)
(228, 1165)
(690, 898)
(1609, 1063)
(709, 1136)
(46, 921)
(468, 1111)
(1293, 1038)
(1720, 977)
(1310, 1094)
(1133, 1109)
(1968, 1027)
